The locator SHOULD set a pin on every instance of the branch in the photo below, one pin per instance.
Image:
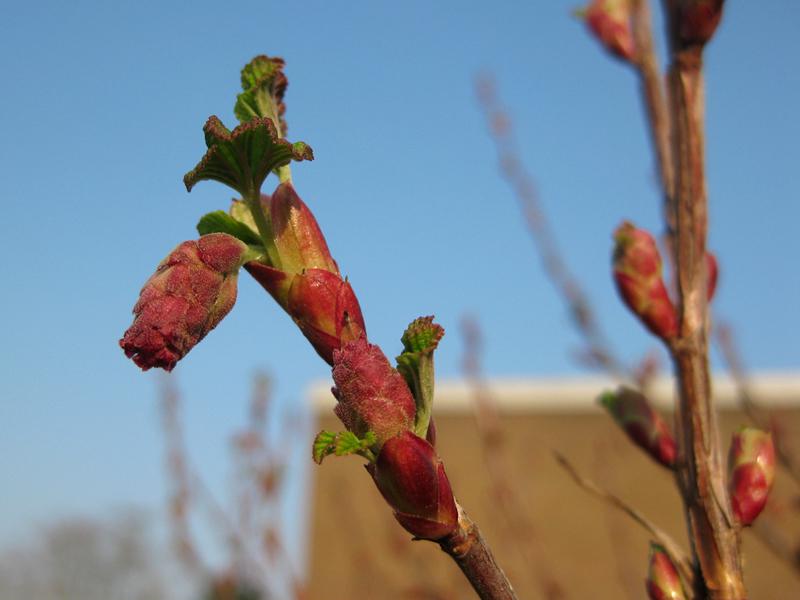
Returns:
(513, 171)
(676, 554)
(472, 555)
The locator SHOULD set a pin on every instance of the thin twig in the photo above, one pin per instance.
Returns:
(676, 554)
(514, 172)
(520, 528)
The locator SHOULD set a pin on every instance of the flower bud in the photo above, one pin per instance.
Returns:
(411, 478)
(372, 395)
(697, 20)
(189, 294)
(751, 470)
(663, 581)
(644, 426)
(637, 274)
(610, 22)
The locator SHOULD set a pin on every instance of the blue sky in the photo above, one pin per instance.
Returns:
(102, 110)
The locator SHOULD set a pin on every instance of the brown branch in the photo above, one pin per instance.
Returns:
(676, 554)
(655, 103)
(514, 172)
(701, 474)
(786, 459)
(472, 555)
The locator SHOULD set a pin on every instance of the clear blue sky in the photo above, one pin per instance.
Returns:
(102, 109)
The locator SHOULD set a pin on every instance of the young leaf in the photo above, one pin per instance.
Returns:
(264, 85)
(242, 158)
(342, 444)
(221, 222)
(415, 364)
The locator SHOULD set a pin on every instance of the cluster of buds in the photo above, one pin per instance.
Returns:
(637, 268)
(374, 397)
(751, 470)
(610, 22)
(663, 581)
(303, 277)
(643, 425)
(192, 289)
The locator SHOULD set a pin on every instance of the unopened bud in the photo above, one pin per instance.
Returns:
(610, 22)
(663, 580)
(697, 20)
(751, 466)
(637, 274)
(372, 395)
(411, 478)
(644, 426)
(189, 294)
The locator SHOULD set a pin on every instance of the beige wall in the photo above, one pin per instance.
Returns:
(590, 550)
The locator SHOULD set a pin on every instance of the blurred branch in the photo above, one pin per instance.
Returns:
(514, 172)
(676, 554)
(517, 524)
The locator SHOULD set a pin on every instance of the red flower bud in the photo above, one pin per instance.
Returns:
(751, 466)
(637, 273)
(372, 395)
(663, 581)
(645, 427)
(411, 478)
(610, 22)
(308, 285)
(697, 20)
(189, 294)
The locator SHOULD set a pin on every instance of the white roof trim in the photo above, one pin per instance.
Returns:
(567, 394)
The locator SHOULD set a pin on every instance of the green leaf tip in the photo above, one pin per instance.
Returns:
(221, 222)
(243, 158)
(342, 444)
(264, 85)
(422, 335)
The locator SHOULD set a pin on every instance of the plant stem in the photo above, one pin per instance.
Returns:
(655, 104)
(701, 474)
(253, 202)
(472, 555)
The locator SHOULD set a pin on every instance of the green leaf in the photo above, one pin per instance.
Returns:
(243, 158)
(342, 444)
(221, 222)
(415, 364)
(264, 85)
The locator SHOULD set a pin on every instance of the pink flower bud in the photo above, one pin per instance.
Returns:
(663, 581)
(637, 273)
(751, 467)
(645, 427)
(610, 22)
(308, 285)
(189, 294)
(372, 395)
(411, 478)
(697, 20)
(298, 238)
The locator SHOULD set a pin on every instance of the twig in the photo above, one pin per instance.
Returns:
(519, 527)
(472, 555)
(525, 191)
(701, 476)
(676, 554)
